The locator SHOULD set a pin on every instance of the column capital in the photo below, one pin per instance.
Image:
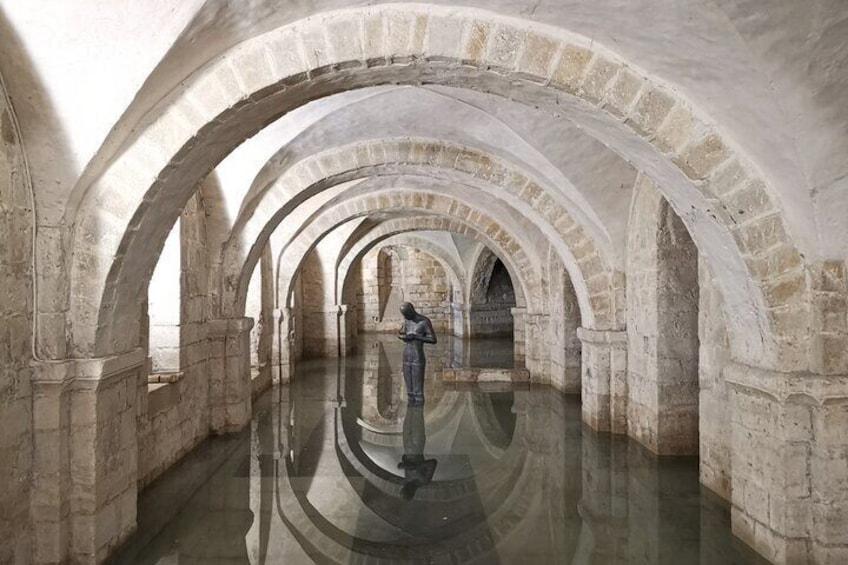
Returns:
(799, 387)
(611, 337)
(93, 369)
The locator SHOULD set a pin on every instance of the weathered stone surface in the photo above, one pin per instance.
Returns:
(662, 328)
(766, 197)
(787, 458)
(16, 318)
(604, 372)
(713, 402)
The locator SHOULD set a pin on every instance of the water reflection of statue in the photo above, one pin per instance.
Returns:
(417, 470)
(415, 331)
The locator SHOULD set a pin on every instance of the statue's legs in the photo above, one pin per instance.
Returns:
(413, 377)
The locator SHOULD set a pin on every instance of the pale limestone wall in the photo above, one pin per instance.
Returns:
(677, 343)
(319, 328)
(565, 346)
(662, 326)
(642, 315)
(296, 336)
(16, 419)
(174, 417)
(253, 309)
(714, 403)
(388, 276)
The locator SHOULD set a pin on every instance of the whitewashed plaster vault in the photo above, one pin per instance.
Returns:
(284, 134)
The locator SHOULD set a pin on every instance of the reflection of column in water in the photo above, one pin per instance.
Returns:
(266, 446)
(664, 497)
(552, 468)
(603, 507)
(218, 536)
(641, 506)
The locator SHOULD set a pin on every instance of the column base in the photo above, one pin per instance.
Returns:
(789, 463)
(229, 367)
(85, 457)
(604, 379)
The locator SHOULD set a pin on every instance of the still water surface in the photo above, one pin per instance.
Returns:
(335, 468)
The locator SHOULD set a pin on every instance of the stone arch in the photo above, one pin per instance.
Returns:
(406, 227)
(484, 317)
(404, 232)
(405, 236)
(410, 274)
(587, 265)
(449, 215)
(235, 94)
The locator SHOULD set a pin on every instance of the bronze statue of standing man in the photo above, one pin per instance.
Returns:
(415, 331)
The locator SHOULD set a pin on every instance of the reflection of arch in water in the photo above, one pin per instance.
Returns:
(326, 543)
(436, 411)
(497, 486)
(449, 409)
(489, 426)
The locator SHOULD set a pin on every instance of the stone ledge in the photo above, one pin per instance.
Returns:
(161, 397)
(165, 378)
(485, 375)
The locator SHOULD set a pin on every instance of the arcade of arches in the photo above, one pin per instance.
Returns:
(647, 202)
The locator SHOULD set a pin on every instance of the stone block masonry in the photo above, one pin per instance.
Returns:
(16, 324)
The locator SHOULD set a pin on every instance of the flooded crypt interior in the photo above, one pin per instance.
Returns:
(337, 468)
(626, 222)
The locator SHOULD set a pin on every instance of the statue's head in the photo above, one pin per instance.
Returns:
(408, 310)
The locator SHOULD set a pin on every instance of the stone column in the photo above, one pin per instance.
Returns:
(283, 346)
(347, 329)
(229, 369)
(604, 379)
(50, 503)
(518, 333)
(288, 356)
(85, 457)
(277, 345)
(321, 331)
(537, 349)
(789, 454)
(461, 319)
